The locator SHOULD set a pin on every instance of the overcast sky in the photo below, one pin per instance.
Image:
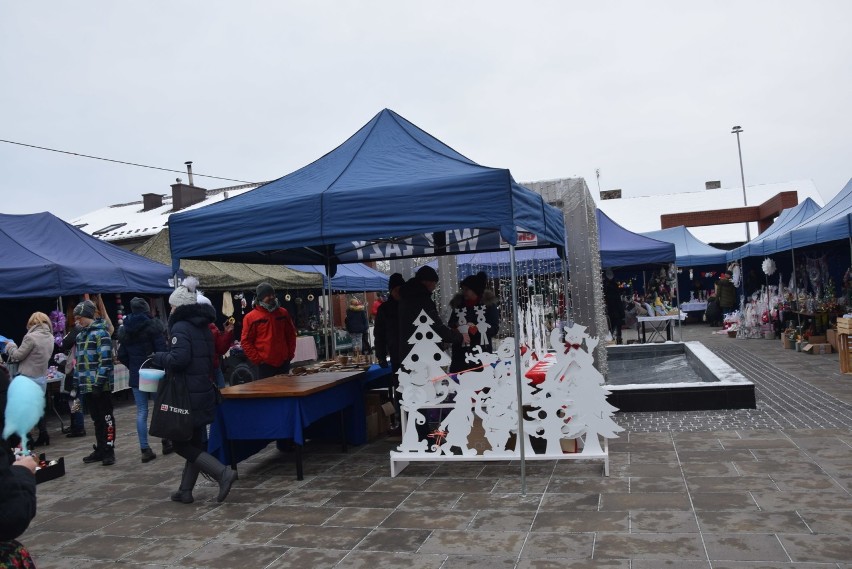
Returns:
(645, 91)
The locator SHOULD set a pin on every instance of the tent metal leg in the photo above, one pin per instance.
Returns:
(520, 442)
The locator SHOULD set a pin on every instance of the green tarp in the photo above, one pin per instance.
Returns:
(214, 275)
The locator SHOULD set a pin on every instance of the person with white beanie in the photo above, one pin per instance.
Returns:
(190, 358)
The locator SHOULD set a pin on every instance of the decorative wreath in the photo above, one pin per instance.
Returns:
(310, 297)
(287, 297)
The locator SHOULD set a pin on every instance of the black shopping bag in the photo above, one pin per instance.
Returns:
(172, 415)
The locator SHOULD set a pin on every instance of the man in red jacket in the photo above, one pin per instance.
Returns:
(269, 336)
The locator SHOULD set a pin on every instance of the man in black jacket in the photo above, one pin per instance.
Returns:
(415, 296)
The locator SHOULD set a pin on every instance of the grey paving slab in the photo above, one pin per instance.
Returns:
(749, 547)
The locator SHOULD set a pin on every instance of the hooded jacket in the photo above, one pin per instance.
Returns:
(190, 356)
(492, 318)
(268, 337)
(94, 359)
(356, 320)
(139, 336)
(35, 351)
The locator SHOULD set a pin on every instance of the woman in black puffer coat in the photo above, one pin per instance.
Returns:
(190, 357)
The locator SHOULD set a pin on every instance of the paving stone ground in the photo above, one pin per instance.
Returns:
(763, 488)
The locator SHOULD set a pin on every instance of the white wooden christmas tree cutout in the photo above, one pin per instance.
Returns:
(590, 412)
(569, 402)
(422, 381)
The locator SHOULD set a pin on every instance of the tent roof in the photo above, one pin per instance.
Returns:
(690, 251)
(777, 236)
(44, 256)
(830, 223)
(354, 277)
(228, 276)
(623, 248)
(372, 197)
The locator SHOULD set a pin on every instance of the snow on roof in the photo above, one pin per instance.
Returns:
(642, 214)
(127, 221)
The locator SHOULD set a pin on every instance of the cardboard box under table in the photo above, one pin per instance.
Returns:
(282, 407)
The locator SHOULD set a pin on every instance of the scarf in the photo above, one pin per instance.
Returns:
(270, 306)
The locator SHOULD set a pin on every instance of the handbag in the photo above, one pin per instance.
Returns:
(172, 414)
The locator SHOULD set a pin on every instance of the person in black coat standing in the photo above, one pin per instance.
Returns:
(386, 337)
(416, 295)
(190, 359)
(138, 336)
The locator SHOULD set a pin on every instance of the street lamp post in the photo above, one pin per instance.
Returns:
(737, 130)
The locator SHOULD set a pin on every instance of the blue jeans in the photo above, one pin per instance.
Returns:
(220, 377)
(141, 398)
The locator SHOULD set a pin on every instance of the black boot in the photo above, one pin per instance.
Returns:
(187, 483)
(42, 440)
(167, 447)
(96, 456)
(210, 465)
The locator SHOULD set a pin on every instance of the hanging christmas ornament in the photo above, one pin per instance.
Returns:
(768, 267)
(310, 297)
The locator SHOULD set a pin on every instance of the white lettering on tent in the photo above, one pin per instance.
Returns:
(430, 244)
(359, 245)
(465, 239)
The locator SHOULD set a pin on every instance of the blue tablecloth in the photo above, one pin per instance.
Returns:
(252, 423)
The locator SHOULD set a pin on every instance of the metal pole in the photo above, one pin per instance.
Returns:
(327, 325)
(795, 284)
(677, 305)
(331, 310)
(520, 443)
(737, 130)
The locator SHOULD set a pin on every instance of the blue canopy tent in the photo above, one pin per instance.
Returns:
(355, 277)
(389, 191)
(831, 223)
(689, 250)
(773, 239)
(43, 256)
(623, 248)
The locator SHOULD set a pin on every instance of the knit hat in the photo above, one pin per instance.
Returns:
(203, 299)
(476, 282)
(139, 306)
(263, 290)
(426, 273)
(85, 309)
(395, 280)
(185, 293)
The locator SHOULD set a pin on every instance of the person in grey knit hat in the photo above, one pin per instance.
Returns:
(269, 335)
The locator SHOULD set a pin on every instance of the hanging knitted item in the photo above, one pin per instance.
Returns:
(120, 309)
(768, 267)
(57, 321)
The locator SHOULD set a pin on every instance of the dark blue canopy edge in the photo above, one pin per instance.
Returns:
(390, 191)
(355, 277)
(777, 237)
(690, 251)
(43, 256)
(830, 223)
(623, 248)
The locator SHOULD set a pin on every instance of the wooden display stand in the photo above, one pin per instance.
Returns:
(843, 351)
